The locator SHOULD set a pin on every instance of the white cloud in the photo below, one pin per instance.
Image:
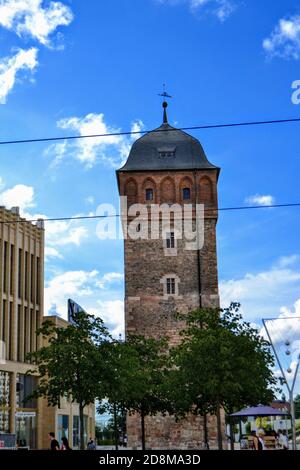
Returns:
(90, 200)
(20, 195)
(263, 294)
(112, 313)
(51, 252)
(222, 9)
(69, 284)
(83, 287)
(284, 331)
(285, 261)
(29, 17)
(11, 66)
(284, 40)
(111, 149)
(260, 200)
(110, 278)
(57, 233)
(74, 236)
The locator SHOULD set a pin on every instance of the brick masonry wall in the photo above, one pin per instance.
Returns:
(148, 310)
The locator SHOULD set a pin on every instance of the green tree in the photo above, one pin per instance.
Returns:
(137, 371)
(72, 363)
(222, 363)
(297, 406)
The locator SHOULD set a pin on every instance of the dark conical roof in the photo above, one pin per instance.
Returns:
(167, 148)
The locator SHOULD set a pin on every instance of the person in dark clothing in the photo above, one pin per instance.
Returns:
(91, 445)
(65, 444)
(54, 445)
(256, 441)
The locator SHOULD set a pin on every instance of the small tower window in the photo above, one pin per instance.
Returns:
(170, 240)
(167, 153)
(170, 285)
(186, 193)
(149, 194)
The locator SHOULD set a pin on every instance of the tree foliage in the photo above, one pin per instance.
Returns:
(72, 362)
(138, 368)
(222, 362)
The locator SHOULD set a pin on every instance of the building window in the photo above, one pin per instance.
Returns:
(75, 431)
(26, 331)
(9, 346)
(5, 248)
(149, 194)
(4, 401)
(38, 280)
(63, 427)
(170, 240)
(19, 334)
(32, 328)
(26, 275)
(167, 153)
(12, 258)
(186, 193)
(170, 285)
(20, 277)
(4, 321)
(26, 384)
(32, 290)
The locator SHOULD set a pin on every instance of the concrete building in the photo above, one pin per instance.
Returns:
(21, 313)
(64, 419)
(162, 277)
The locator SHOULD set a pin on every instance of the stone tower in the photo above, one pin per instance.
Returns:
(162, 276)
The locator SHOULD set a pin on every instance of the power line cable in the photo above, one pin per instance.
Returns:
(115, 134)
(91, 217)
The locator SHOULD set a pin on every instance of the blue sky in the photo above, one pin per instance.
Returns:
(94, 66)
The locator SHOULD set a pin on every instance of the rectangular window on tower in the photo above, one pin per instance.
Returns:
(170, 285)
(170, 240)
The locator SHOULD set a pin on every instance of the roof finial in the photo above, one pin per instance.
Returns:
(165, 104)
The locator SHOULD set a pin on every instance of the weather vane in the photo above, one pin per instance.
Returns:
(164, 93)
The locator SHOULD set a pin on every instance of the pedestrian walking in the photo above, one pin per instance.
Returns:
(91, 444)
(65, 444)
(54, 445)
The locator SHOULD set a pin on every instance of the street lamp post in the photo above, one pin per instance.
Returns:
(290, 389)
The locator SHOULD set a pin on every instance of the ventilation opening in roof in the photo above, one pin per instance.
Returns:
(166, 152)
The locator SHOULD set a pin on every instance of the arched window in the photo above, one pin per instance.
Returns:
(149, 194)
(131, 191)
(206, 191)
(149, 190)
(186, 193)
(168, 190)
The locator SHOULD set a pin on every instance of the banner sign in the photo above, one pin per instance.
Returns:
(73, 310)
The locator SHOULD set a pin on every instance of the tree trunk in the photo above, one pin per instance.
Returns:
(231, 434)
(143, 430)
(81, 431)
(219, 428)
(116, 428)
(205, 431)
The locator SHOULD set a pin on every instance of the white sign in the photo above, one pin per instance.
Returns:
(25, 414)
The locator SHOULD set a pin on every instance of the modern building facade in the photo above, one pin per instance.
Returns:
(163, 273)
(21, 313)
(63, 420)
